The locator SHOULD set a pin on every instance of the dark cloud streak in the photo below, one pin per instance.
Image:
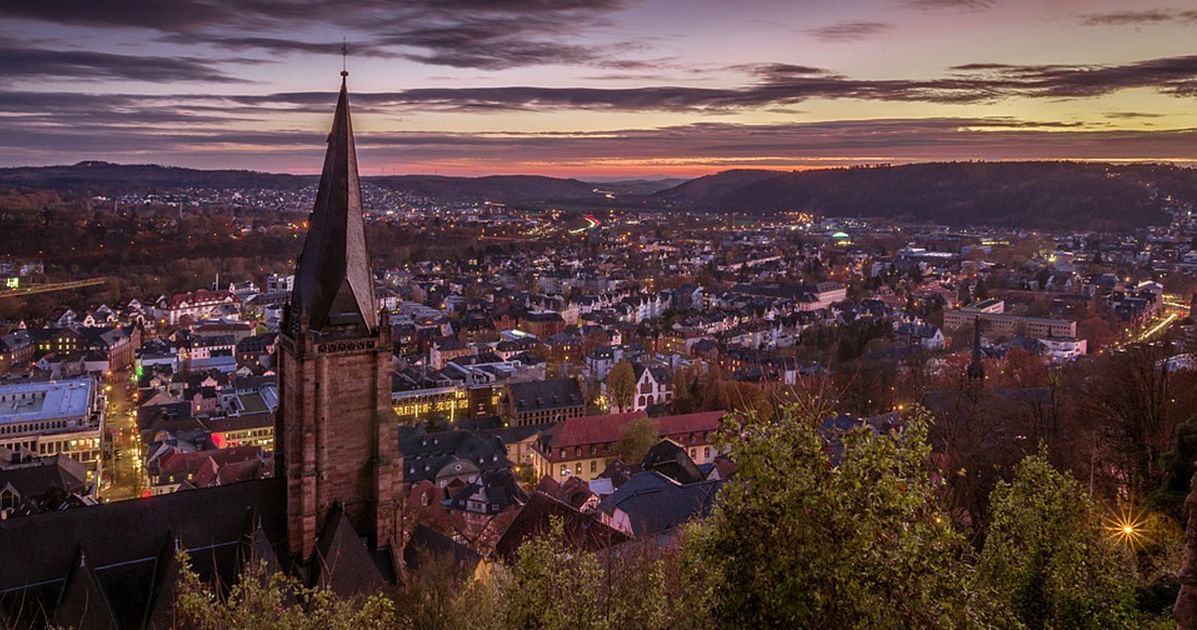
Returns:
(849, 31)
(488, 35)
(90, 65)
(949, 5)
(1140, 18)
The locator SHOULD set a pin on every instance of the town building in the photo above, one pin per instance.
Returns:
(197, 305)
(654, 386)
(51, 418)
(582, 447)
(31, 485)
(996, 322)
(542, 402)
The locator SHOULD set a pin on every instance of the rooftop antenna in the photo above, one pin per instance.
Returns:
(344, 58)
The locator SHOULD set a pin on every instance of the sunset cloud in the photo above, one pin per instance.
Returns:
(547, 85)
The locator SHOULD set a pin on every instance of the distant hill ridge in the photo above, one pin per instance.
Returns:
(1020, 194)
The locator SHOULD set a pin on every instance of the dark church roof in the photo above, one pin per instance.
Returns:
(123, 542)
(82, 603)
(344, 564)
(333, 282)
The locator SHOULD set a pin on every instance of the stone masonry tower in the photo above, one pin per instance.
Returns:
(335, 433)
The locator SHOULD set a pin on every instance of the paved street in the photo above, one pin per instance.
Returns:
(124, 473)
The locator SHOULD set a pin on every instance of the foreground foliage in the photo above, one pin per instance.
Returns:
(262, 600)
(797, 542)
(1048, 557)
(809, 534)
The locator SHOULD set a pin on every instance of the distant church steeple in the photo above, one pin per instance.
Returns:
(334, 287)
(976, 368)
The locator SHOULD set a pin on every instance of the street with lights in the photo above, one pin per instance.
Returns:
(124, 470)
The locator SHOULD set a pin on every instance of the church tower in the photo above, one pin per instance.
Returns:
(335, 433)
(976, 367)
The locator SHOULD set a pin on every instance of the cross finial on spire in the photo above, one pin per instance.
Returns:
(344, 58)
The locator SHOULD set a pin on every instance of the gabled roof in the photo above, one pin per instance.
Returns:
(259, 549)
(671, 460)
(333, 282)
(83, 603)
(37, 476)
(582, 531)
(124, 541)
(699, 423)
(587, 430)
(426, 543)
(343, 563)
(655, 503)
(159, 614)
(426, 454)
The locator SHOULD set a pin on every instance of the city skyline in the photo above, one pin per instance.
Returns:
(603, 89)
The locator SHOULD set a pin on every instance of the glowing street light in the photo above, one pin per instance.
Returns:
(1128, 528)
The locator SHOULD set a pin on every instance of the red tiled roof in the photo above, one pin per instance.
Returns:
(589, 430)
(176, 462)
(207, 473)
(700, 422)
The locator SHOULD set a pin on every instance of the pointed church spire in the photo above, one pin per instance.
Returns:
(334, 284)
(976, 369)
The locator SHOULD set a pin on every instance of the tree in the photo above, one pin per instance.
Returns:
(1129, 399)
(621, 385)
(432, 597)
(1178, 467)
(687, 391)
(1047, 557)
(554, 587)
(637, 437)
(273, 601)
(796, 541)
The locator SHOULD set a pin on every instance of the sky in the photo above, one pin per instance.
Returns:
(597, 88)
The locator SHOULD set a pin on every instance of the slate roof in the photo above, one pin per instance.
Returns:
(82, 603)
(655, 503)
(37, 476)
(532, 396)
(256, 343)
(425, 454)
(498, 489)
(671, 460)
